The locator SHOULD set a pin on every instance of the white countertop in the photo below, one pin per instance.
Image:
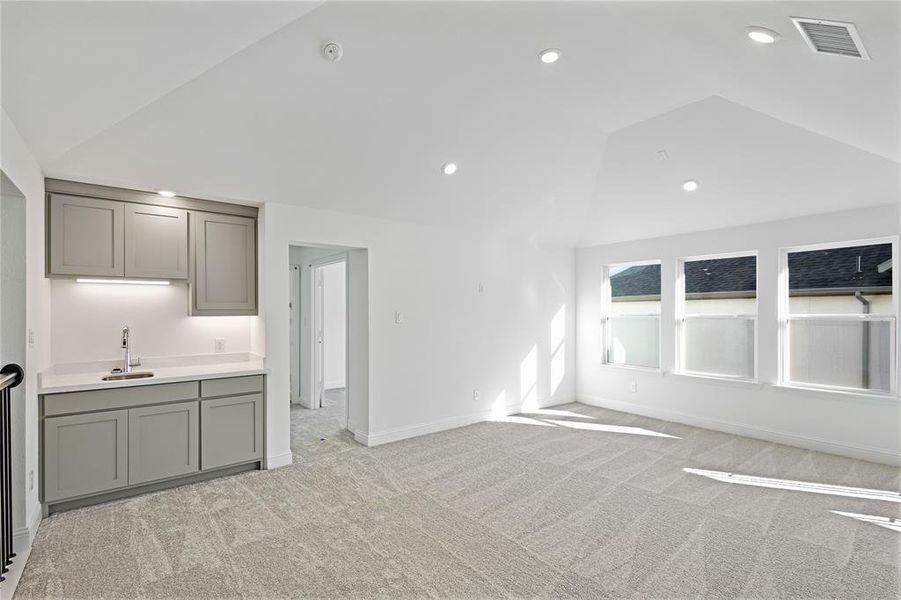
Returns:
(88, 376)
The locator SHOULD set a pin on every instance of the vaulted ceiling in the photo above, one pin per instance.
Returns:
(234, 100)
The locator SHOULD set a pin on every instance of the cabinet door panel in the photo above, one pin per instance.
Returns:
(84, 454)
(162, 441)
(86, 236)
(231, 430)
(225, 264)
(156, 242)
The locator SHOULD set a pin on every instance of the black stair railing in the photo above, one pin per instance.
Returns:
(10, 376)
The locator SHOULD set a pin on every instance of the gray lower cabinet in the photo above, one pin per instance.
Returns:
(102, 443)
(86, 236)
(85, 454)
(231, 430)
(163, 441)
(225, 262)
(156, 242)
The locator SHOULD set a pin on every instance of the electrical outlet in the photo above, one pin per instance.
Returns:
(31, 338)
(633, 386)
(220, 344)
(31, 480)
(476, 395)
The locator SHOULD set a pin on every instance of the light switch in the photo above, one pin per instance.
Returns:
(399, 317)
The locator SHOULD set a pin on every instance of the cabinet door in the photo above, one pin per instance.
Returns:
(162, 441)
(225, 278)
(156, 242)
(86, 236)
(84, 454)
(231, 430)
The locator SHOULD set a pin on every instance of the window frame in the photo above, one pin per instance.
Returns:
(785, 317)
(606, 307)
(681, 316)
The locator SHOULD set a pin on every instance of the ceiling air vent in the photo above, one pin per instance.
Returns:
(831, 37)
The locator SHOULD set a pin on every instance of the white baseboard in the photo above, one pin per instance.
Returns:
(278, 460)
(401, 433)
(410, 431)
(15, 572)
(24, 536)
(333, 385)
(869, 453)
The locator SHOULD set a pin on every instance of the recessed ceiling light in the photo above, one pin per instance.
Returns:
(449, 168)
(689, 185)
(762, 35)
(551, 55)
(166, 193)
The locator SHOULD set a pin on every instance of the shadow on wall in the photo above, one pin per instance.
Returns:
(528, 398)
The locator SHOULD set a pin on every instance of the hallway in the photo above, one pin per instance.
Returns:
(315, 432)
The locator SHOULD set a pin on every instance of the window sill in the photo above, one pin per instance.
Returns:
(649, 370)
(713, 379)
(840, 394)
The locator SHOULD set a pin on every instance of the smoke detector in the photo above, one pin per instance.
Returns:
(831, 37)
(333, 51)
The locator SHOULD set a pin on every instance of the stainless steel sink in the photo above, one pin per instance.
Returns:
(123, 376)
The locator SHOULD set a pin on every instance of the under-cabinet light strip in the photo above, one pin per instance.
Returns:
(125, 281)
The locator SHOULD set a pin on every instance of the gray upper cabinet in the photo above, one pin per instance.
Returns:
(85, 454)
(156, 242)
(99, 231)
(86, 236)
(225, 277)
(163, 441)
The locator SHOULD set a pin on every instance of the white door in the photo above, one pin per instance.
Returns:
(318, 337)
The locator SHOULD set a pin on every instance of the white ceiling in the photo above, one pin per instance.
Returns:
(73, 69)
(750, 168)
(239, 104)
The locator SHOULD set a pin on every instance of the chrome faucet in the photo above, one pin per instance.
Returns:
(126, 343)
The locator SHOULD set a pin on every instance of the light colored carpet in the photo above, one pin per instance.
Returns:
(571, 502)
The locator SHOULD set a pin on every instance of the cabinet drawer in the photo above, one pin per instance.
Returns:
(89, 400)
(231, 386)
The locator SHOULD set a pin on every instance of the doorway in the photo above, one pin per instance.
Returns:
(329, 330)
(318, 318)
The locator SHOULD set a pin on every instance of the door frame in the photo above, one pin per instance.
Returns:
(317, 364)
(294, 317)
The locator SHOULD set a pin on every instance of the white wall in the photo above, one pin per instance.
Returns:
(454, 339)
(334, 326)
(848, 424)
(20, 166)
(87, 322)
(12, 324)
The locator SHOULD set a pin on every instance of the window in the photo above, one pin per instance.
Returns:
(631, 309)
(838, 312)
(716, 307)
